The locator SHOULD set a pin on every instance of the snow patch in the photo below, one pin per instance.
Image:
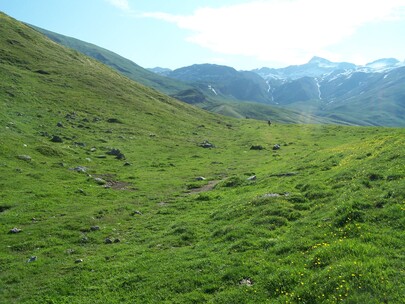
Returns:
(212, 89)
(319, 88)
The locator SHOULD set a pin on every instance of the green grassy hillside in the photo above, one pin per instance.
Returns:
(119, 63)
(99, 178)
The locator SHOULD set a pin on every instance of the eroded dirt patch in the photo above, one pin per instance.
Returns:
(205, 188)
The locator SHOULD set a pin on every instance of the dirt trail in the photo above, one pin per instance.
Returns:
(205, 188)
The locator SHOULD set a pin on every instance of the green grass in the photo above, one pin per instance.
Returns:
(322, 223)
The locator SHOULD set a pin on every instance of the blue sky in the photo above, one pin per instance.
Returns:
(238, 33)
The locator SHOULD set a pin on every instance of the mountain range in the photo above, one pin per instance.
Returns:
(367, 95)
(227, 96)
(319, 91)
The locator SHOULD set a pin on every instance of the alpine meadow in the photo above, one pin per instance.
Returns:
(114, 192)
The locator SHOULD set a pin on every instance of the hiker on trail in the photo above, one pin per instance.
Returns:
(269, 122)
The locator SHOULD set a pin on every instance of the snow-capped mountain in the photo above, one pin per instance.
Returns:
(319, 67)
(341, 89)
(321, 79)
(314, 68)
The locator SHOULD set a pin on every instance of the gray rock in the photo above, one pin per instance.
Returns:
(251, 178)
(100, 181)
(256, 147)
(78, 261)
(79, 169)
(108, 241)
(200, 178)
(246, 282)
(56, 139)
(276, 147)
(32, 259)
(60, 125)
(94, 228)
(24, 157)
(15, 230)
(118, 154)
(206, 144)
(114, 120)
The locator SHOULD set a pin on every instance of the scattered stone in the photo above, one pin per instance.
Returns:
(275, 194)
(84, 239)
(60, 125)
(56, 139)
(70, 251)
(101, 156)
(15, 230)
(42, 72)
(93, 149)
(276, 147)
(246, 282)
(283, 174)
(78, 261)
(95, 228)
(114, 120)
(256, 147)
(118, 154)
(136, 212)
(32, 259)
(100, 181)
(200, 178)
(24, 157)
(127, 164)
(251, 178)
(110, 241)
(206, 144)
(45, 134)
(80, 169)
(79, 144)
(81, 191)
(70, 116)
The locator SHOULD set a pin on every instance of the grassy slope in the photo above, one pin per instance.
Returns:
(332, 234)
(119, 63)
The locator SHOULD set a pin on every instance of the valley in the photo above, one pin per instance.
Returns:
(114, 192)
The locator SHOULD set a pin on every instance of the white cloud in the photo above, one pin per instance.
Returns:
(121, 4)
(288, 31)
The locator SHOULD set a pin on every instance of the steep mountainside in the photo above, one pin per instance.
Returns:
(119, 63)
(224, 81)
